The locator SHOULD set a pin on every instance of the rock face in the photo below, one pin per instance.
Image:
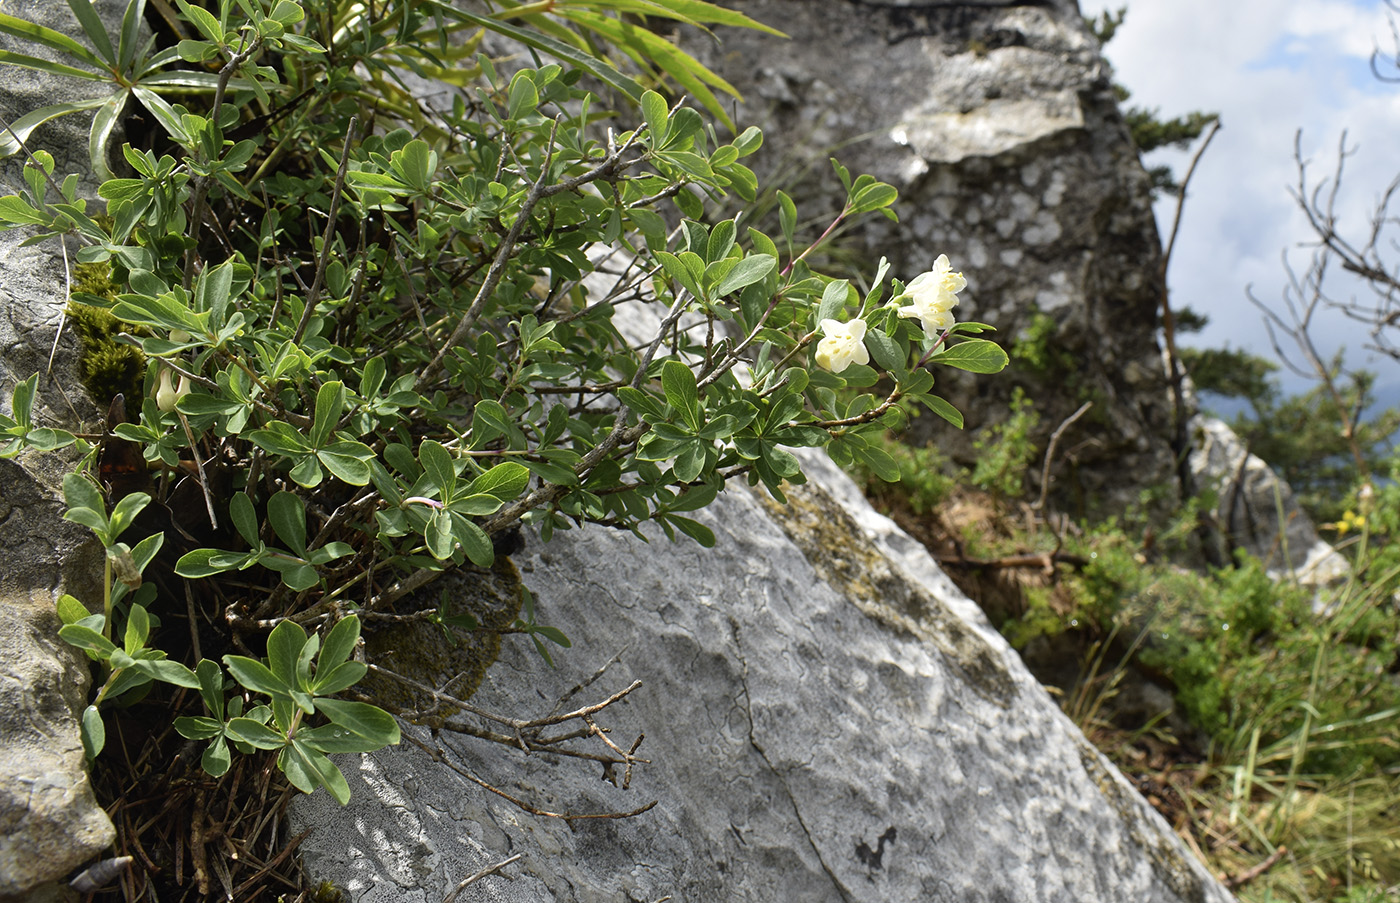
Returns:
(49, 820)
(1256, 510)
(827, 719)
(998, 124)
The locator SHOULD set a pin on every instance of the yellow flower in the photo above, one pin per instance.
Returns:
(1350, 521)
(934, 295)
(844, 343)
(167, 395)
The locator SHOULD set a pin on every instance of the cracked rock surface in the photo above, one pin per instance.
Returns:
(827, 719)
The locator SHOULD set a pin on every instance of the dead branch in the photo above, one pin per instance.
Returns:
(439, 755)
(1249, 874)
(489, 870)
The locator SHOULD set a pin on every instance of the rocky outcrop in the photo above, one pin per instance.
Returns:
(998, 124)
(1255, 509)
(49, 821)
(826, 718)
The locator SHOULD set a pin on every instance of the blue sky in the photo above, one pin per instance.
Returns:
(1270, 68)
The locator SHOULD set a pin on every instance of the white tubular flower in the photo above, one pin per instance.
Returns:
(934, 295)
(844, 344)
(167, 396)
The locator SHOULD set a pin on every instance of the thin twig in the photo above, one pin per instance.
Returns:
(313, 295)
(1249, 874)
(1050, 452)
(489, 870)
(438, 755)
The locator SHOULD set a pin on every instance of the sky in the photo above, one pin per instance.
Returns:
(1269, 68)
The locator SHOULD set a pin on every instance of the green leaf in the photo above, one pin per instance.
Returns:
(203, 20)
(296, 574)
(211, 687)
(332, 738)
(16, 210)
(752, 269)
(306, 763)
(833, 301)
(208, 562)
(284, 646)
(474, 541)
(104, 121)
(339, 643)
(347, 462)
(93, 732)
(361, 719)
(246, 730)
(138, 628)
(94, 29)
(679, 384)
(694, 529)
(975, 356)
(125, 512)
(505, 481)
(287, 514)
(22, 28)
(307, 472)
(256, 676)
(86, 638)
(524, 96)
(216, 759)
(80, 492)
(330, 401)
(655, 112)
(341, 677)
(885, 350)
(198, 728)
(439, 535)
(245, 519)
(437, 464)
(279, 438)
(787, 216)
(70, 610)
(167, 671)
(943, 409)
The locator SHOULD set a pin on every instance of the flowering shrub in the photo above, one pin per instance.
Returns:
(373, 346)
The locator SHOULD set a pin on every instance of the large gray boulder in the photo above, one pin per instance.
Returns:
(827, 718)
(998, 123)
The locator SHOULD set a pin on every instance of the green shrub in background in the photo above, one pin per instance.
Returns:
(371, 346)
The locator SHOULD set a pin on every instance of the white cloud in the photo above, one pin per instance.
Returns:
(1269, 69)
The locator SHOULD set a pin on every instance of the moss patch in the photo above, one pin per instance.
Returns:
(106, 367)
(450, 659)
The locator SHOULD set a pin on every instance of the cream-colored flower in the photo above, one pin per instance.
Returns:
(934, 295)
(167, 396)
(844, 344)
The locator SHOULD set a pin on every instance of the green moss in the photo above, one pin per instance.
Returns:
(106, 367)
(449, 659)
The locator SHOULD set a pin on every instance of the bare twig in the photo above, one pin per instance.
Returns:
(313, 295)
(1050, 452)
(489, 870)
(439, 755)
(1249, 874)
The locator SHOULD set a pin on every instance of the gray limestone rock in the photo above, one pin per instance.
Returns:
(827, 719)
(999, 126)
(1256, 510)
(49, 821)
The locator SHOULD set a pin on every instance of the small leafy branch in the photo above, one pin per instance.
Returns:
(371, 350)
